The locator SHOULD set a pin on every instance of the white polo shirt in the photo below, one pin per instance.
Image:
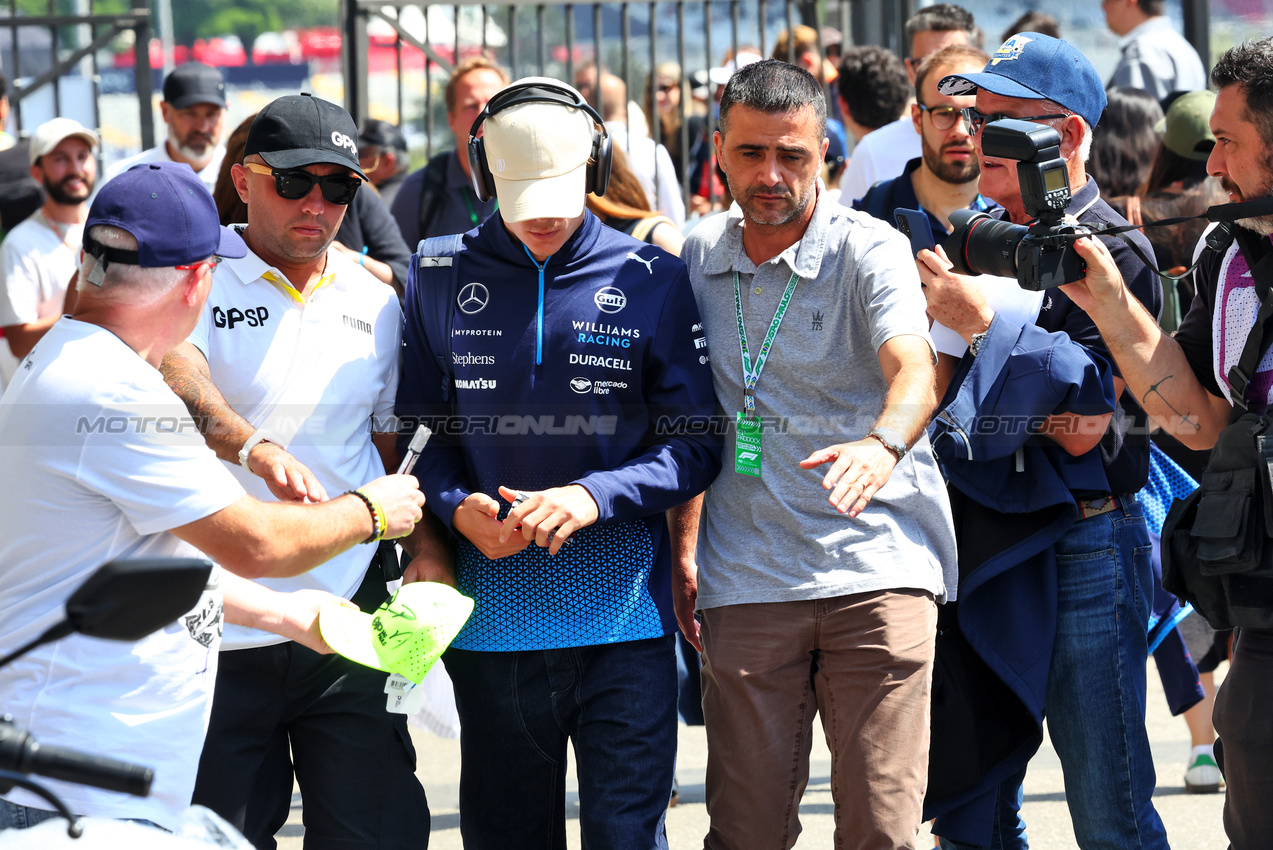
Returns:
(314, 371)
(159, 153)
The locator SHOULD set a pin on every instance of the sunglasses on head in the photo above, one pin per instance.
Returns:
(294, 184)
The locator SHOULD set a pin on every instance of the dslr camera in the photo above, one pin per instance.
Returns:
(1041, 255)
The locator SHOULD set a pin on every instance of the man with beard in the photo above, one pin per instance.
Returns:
(944, 178)
(39, 257)
(1183, 381)
(298, 347)
(194, 110)
(809, 602)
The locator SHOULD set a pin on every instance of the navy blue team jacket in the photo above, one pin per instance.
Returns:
(594, 371)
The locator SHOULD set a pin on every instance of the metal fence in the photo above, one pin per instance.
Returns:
(52, 63)
(630, 39)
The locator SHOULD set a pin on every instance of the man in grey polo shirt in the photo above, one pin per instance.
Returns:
(807, 601)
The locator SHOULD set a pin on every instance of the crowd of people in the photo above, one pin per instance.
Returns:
(225, 346)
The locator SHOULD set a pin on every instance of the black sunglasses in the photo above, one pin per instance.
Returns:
(294, 184)
(974, 120)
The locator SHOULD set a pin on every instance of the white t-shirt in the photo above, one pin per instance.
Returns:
(159, 153)
(652, 165)
(881, 155)
(37, 260)
(100, 459)
(313, 373)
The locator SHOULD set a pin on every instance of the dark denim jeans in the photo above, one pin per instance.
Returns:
(615, 703)
(14, 816)
(1095, 700)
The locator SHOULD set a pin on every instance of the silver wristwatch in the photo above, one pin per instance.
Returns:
(891, 440)
(974, 345)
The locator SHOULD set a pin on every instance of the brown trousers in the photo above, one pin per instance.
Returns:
(864, 663)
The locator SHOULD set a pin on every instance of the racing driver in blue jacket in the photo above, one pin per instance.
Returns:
(577, 409)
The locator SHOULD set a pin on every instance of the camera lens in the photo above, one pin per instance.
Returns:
(979, 244)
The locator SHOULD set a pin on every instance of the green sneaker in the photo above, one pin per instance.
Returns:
(1203, 774)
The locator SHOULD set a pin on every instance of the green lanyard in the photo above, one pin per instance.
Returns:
(464, 193)
(750, 375)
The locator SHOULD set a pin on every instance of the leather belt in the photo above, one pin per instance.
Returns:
(1096, 506)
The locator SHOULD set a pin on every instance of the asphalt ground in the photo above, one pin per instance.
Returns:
(1193, 821)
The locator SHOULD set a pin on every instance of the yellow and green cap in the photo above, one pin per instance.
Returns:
(405, 635)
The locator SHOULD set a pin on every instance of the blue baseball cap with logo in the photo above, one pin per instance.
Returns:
(168, 210)
(1037, 67)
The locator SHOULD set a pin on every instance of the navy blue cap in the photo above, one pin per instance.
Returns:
(1037, 67)
(168, 210)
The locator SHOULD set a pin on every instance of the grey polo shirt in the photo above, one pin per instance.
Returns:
(1159, 60)
(777, 538)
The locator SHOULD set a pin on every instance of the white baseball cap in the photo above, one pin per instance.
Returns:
(538, 156)
(51, 133)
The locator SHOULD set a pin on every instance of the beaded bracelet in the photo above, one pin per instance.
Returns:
(377, 514)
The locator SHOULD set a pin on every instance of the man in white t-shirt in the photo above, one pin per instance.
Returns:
(194, 110)
(298, 348)
(38, 258)
(102, 462)
(649, 160)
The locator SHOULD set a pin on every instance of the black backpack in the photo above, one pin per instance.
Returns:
(1217, 544)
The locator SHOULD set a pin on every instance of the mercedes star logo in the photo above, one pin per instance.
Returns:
(473, 298)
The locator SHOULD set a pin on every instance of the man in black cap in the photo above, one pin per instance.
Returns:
(382, 153)
(298, 347)
(194, 110)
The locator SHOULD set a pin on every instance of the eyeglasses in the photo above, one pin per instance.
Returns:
(371, 155)
(975, 120)
(214, 262)
(294, 184)
(668, 87)
(943, 117)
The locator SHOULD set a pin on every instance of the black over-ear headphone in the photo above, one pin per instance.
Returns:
(540, 90)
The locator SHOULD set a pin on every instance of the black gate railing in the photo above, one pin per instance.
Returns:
(42, 51)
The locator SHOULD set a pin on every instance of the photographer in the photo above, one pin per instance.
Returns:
(1041, 449)
(1184, 384)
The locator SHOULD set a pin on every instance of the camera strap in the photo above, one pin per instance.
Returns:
(1259, 339)
(1217, 240)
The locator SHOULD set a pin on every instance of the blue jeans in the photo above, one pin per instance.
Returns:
(518, 710)
(14, 816)
(1095, 699)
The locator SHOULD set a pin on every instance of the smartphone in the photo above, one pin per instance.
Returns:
(914, 225)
